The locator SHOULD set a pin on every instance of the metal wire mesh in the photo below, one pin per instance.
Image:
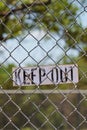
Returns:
(37, 33)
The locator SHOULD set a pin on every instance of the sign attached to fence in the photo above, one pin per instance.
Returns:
(45, 75)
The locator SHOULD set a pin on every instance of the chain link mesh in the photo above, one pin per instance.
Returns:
(36, 33)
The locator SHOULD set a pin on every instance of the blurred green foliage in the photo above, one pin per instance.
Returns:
(58, 17)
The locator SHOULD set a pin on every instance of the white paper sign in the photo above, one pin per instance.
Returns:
(45, 75)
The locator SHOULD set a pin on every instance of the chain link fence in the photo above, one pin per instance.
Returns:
(43, 33)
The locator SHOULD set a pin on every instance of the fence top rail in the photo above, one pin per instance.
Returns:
(43, 91)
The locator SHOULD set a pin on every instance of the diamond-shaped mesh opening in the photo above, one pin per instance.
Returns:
(77, 119)
(29, 42)
(19, 56)
(37, 122)
(48, 108)
(10, 111)
(9, 46)
(18, 119)
(33, 110)
(49, 44)
(57, 121)
(40, 56)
